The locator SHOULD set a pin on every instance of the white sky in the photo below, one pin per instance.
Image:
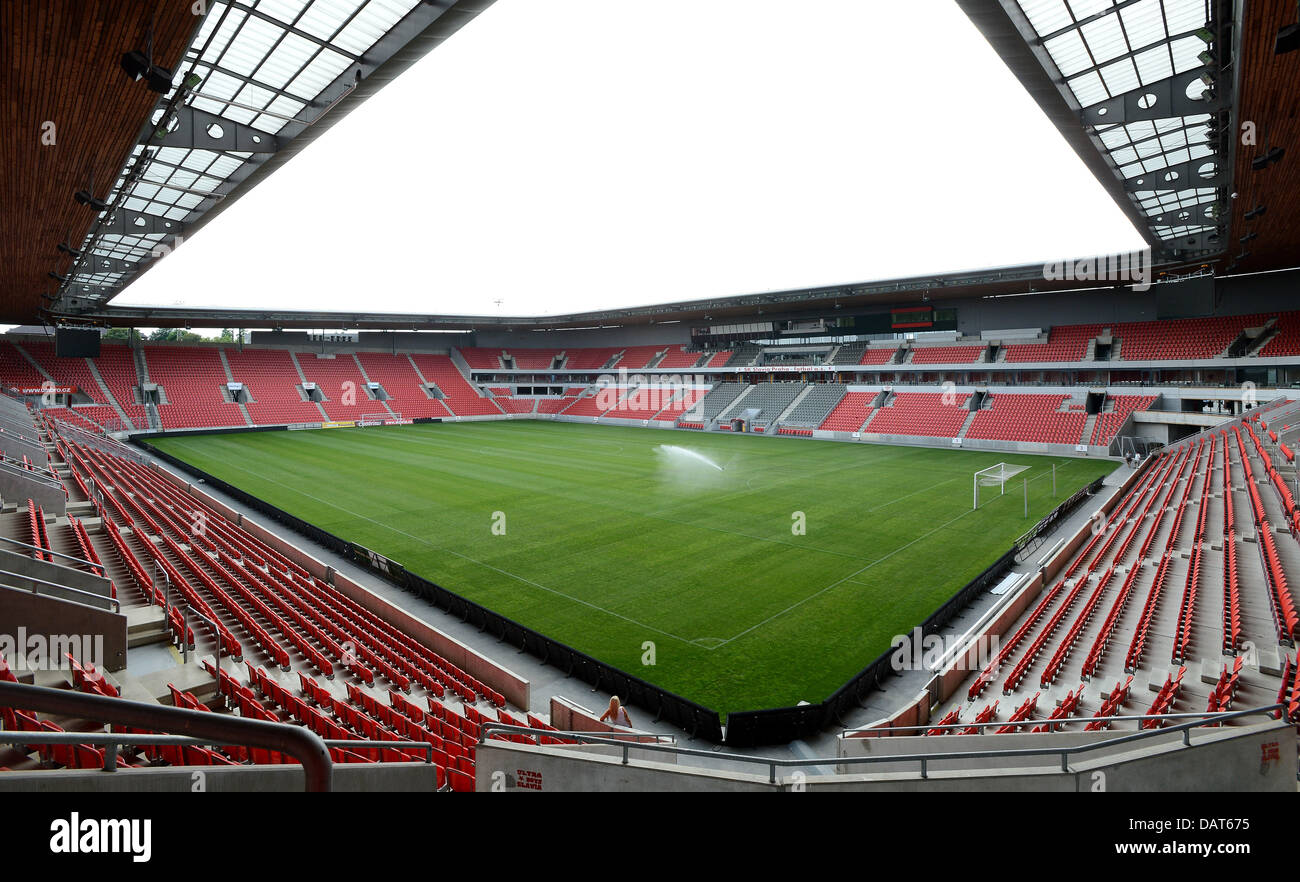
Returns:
(584, 154)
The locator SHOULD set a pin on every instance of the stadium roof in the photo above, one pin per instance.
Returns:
(1145, 91)
(258, 81)
(1142, 97)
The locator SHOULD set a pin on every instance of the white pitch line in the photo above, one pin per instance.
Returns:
(473, 560)
(850, 576)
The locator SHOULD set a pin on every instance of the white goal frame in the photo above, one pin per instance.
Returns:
(997, 474)
(375, 419)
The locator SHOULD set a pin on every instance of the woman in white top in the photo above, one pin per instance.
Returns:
(617, 714)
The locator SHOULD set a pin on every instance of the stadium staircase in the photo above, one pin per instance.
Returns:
(1089, 429)
(40, 369)
(106, 395)
(850, 413)
(722, 415)
(965, 426)
(142, 379)
(361, 369)
(230, 378)
(302, 383)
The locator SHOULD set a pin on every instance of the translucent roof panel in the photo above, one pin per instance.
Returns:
(262, 64)
(1107, 48)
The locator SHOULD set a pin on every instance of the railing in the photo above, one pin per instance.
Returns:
(113, 740)
(51, 551)
(1065, 753)
(296, 741)
(10, 465)
(43, 588)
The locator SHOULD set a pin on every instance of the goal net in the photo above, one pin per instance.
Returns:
(994, 476)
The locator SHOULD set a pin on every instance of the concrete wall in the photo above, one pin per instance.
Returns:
(595, 338)
(1217, 760)
(15, 562)
(348, 778)
(56, 621)
(502, 765)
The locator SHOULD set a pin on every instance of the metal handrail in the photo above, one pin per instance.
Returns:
(302, 744)
(29, 474)
(116, 739)
(1202, 715)
(89, 563)
(112, 601)
(924, 759)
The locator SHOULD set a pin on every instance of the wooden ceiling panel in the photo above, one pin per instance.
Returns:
(1270, 98)
(61, 80)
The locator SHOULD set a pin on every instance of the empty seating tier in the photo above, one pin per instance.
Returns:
(946, 354)
(921, 413)
(192, 379)
(1038, 418)
(850, 413)
(272, 384)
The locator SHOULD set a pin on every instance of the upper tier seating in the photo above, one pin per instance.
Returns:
(878, 355)
(946, 354)
(636, 358)
(921, 413)
(66, 371)
(482, 359)
(1287, 339)
(679, 357)
(588, 359)
(16, 370)
(1180, 338)
(534, 359)
(1064, 343)
(192, 379)
(1015, 417)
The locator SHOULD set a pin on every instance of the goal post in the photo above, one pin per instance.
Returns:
(376, 419)
(993, 476)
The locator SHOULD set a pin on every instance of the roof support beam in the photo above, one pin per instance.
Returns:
(137, 223)
(199, 130)
(1183, 176)
(1163, 100)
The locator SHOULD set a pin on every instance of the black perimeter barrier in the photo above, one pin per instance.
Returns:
(744, 728)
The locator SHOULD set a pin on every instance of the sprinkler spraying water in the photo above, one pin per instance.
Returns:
(684, 454)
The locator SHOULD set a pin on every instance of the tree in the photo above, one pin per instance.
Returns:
(173, 335)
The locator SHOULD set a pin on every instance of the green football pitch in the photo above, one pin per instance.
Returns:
(741, 572)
